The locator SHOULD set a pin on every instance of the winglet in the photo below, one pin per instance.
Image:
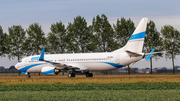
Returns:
(42, 55)
(149, 56)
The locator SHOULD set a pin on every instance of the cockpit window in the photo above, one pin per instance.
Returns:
(20, 61)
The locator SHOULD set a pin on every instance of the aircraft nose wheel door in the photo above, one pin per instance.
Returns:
(118, 59)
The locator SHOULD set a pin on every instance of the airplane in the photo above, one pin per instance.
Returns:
(52, 64)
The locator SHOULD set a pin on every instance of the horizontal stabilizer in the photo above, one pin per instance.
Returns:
(153, 53)
(133, 54)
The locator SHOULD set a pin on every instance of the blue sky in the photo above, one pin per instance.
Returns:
(46, 12)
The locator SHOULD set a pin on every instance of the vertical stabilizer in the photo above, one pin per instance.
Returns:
(136, 41)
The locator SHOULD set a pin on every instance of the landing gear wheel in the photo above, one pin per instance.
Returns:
(28, 75)
(89, 75)
(71, 75)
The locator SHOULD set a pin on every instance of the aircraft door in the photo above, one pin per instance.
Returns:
(118, 58)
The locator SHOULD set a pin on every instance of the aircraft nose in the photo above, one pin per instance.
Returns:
(16, 66)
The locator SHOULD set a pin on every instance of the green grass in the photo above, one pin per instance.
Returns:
(74, 87)
(102, 95)
(93, 92)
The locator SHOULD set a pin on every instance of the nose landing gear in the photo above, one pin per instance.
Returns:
(28, 75)
(71, 75)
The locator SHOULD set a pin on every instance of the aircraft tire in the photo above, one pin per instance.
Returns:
(89, 75)
(71, 75)
(28, 75)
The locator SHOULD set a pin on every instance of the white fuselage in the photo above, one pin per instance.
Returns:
(84, 61)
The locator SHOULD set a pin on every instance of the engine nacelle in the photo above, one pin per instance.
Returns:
(48, 70)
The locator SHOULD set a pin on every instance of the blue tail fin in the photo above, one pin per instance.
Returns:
(136, 41)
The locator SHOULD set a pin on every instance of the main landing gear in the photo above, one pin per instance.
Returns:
(87, 74)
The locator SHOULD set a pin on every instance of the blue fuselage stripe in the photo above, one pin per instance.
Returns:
(24, 69)
(114, 64)
(138, 36)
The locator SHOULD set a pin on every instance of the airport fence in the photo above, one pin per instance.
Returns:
(125, 72)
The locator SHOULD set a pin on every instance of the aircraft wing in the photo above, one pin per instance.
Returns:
(61, 65)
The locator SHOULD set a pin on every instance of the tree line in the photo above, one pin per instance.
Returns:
(78, 37)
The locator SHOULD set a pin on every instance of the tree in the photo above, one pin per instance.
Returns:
(71, 47)
(3, 42)
(16, 38)
(36, 39)
(1, 68)
(123, 31)
(12, 68)
(93, 41)
(171, 42)
(57, 39)
(104, 34)
(79, 35)
(152, 40)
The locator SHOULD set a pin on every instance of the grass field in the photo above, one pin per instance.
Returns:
(107, 95)
(100, 87)
(92, 92)
(89, 87)
(34, 80)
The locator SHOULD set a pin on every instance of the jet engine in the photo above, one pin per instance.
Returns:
(48, 70)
